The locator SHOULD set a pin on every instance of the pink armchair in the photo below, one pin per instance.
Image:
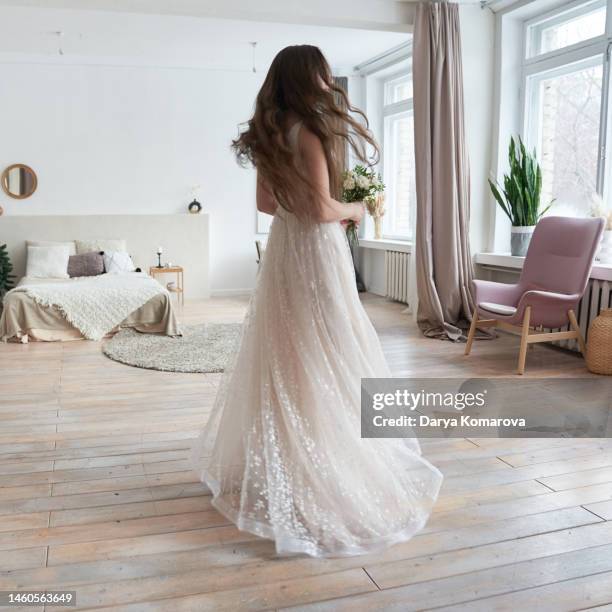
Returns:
(553, 280)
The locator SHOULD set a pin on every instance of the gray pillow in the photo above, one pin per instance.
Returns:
(87, 264)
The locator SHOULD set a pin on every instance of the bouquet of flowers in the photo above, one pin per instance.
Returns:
(362, 185)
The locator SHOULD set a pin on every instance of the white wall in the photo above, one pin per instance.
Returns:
(113, 139)
(141, 107)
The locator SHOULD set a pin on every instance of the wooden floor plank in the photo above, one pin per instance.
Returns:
(122, 512)
(125, 566)
(96, 492)
(463, 589)
(106, 498)
(260, 597)
(578, 448)
(112, 529)
(578, 479)
(41, 452)
(602, 509)
(129, 546)
(482, 534)
(587, 593)
(422, 569)
(519, 507)
(541, 472)
(123, 482)
(24, 558)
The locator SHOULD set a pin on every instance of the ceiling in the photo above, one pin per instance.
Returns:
(386, 14)
(92, 36)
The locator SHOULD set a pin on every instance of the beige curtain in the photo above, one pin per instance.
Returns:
(443, 259)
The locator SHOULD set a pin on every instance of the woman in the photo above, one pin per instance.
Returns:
(282, 451)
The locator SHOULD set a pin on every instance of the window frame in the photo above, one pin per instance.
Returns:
(556, 17)
(562, 61)
(395, 109)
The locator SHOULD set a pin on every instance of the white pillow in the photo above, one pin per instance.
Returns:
(47, 243)
(117, 262)
(99, 244)
(47, 262)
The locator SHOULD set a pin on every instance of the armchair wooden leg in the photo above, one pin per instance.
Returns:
(524, 336)
(576, 328)
(472, 332)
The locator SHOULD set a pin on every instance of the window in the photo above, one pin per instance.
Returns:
(565, 111)
(564, 70)
(398, 89)
(567, 27)
(398, 157)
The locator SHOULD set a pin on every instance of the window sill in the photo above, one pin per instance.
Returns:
(385, 244)
(599, 271)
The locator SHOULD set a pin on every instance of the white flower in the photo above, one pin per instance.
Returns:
(363, 182)
(349, 183)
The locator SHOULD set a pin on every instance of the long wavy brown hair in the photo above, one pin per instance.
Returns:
(300, 81)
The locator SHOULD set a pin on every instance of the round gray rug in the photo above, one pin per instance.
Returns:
(202, 348)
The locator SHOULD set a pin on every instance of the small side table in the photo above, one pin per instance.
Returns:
(154, 271)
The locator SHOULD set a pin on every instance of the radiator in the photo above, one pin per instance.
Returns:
(598, 296)
(396, 274)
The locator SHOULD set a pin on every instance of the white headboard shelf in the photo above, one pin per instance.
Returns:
(185, 239)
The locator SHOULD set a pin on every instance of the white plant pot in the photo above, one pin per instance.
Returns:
(520, 237)
(604, 255)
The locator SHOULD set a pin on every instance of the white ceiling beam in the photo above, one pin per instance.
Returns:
(384, 15)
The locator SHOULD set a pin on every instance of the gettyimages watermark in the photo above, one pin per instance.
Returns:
(486, 408)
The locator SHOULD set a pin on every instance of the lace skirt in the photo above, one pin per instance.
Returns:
(282, 450)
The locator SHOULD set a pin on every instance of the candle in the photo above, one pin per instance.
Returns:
(159, 250)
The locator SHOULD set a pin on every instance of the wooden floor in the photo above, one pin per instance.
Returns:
(96, 495)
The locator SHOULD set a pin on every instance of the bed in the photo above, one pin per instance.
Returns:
(25, 318)
(84, 288)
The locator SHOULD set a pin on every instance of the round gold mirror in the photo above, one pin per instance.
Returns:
(19, 181)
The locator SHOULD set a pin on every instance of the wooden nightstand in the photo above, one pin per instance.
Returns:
(154, 271)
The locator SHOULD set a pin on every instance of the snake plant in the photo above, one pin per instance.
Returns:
(520, 195)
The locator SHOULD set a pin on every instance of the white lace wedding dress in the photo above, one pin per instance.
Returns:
(282, 451)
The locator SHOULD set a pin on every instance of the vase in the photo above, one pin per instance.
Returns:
(604, 255)
(377, 228)
(520, 238)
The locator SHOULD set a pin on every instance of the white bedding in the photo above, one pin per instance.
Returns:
(94, 305)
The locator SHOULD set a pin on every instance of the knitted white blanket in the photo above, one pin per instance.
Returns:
(96, 305)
